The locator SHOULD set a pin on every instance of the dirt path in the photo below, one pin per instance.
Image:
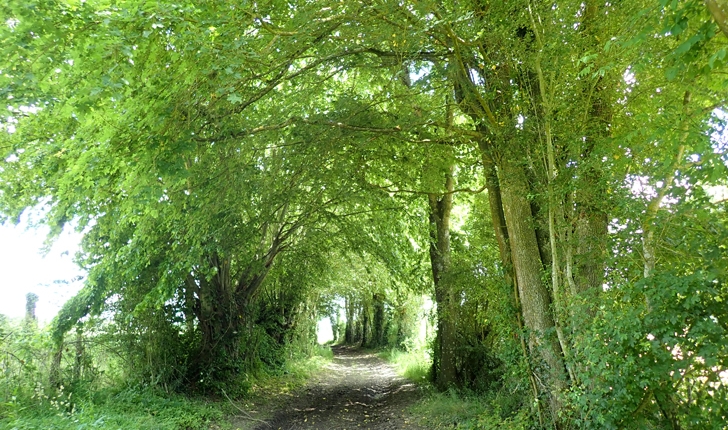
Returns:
(358, 390)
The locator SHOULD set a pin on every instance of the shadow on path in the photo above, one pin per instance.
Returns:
(358, 390)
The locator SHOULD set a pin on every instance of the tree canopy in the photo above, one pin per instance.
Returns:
(550, 172)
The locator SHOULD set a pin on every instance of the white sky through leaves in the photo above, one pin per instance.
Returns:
(25, 268)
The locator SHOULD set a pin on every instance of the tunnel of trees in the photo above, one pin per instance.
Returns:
(551, 174)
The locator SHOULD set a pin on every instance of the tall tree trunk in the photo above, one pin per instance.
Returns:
(349, 330)
(501, 233)
(358, 325)
(719, 11)
(533, 293)
(221, 317)
(190, 303)
(334, 320)
(222, 310)
(590, 226)
(404, 326)
(444, 363)
(78, 362)
(366, 325)
(31, 299)
(378, 332)
(54, 378)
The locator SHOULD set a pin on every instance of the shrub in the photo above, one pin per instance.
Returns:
(656, 355)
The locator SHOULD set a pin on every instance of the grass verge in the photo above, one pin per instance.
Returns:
(269, 391)
(148, 408)
(453, 409)
(294, 373)
(120, 409)
(414, 366)
(467, 411)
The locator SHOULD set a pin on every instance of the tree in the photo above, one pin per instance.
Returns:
(235, 165)
(181, 206)
(30, 301)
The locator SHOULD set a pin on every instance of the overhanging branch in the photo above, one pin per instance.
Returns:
(402, 191)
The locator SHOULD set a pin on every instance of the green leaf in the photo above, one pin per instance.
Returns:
(671, 73)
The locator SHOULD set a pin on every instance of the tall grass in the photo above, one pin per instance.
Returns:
(468, 411)
(113, 409)
(294, 373)
(97, 396)
(458, 409)
(413, 365)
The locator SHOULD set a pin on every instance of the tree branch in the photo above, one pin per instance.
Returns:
(400, 191)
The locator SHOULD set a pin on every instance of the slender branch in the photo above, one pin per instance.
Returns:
(387, 130)
(643, 404)
(714, 106)
(427, 55)
(402, 191)
(654, 205)
(21, 361)
(283, 72)
(367, 211)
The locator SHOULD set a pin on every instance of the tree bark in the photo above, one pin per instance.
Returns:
(497, 217)
(444, 363)
(78, 362)
(528, 269)
(590, 226)
(378, 332)
(222, 310)
(334, 320)
(349, 330)
(366, 325)
(31, 299)
(719, 11)
(54, 378)
(501, 233)
(358, 325)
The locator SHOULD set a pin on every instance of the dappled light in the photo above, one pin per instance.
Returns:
(357, 389)
(369, 214)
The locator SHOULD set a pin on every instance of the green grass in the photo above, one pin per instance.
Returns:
(324, 352)
(467, 411)
(127, 409)
(412, 365)
(146, 408)
(294, 374)
(452, 409)
(444, 410)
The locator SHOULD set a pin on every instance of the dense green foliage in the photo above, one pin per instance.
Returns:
(93, 393)
(549, 173)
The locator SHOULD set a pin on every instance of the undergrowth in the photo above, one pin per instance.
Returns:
(413, 365)
(148, 408)
(499, 410)
(468, 411)
(119, 409)
(99, 397)
(294, 373)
